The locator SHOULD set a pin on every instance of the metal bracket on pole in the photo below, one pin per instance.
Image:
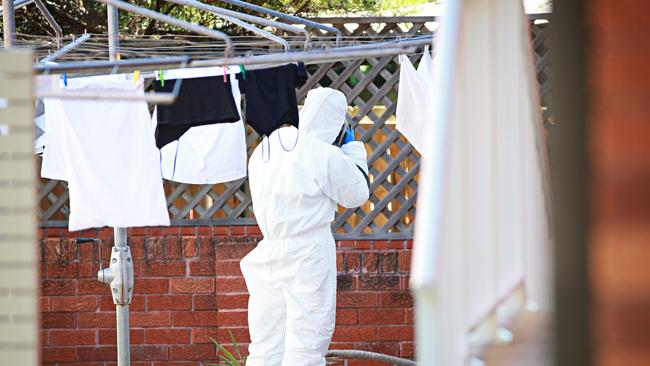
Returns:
(119, 275)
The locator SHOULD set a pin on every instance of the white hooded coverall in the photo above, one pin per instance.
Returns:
(291, 274)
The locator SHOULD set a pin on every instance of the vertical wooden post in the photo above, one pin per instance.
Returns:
(18, 237)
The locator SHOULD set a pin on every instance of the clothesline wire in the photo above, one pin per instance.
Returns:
(23, 36)
(197, 46)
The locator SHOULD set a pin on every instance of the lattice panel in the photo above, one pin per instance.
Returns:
(378, 27)
(371, 88)
(541, 46)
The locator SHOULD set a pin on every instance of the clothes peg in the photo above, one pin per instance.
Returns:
(117, 56)
(136, 76)
(225, 75)
(243, 71)
(161, 77)
(65, 79)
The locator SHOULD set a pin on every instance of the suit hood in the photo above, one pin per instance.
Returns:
(323, 114)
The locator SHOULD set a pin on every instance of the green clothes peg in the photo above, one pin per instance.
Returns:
(161, 77)
(243, 71)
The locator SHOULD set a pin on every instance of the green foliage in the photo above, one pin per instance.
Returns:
(228, 358)
(77, 16)
(400, 6)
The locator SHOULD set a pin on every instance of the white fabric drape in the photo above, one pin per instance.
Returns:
(414, 93)
(481, 228)
(207, 154)
(106, 151)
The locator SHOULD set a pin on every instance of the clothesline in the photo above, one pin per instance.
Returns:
(198, 47)
(201, 138)
(336, 54)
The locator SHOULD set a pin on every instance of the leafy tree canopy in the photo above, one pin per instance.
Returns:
(77, 16)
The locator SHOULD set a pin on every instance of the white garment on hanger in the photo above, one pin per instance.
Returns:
(111, 160)
(413, 101)
(207, 154)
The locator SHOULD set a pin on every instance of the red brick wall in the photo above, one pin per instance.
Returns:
(189, 287)
(619, 123)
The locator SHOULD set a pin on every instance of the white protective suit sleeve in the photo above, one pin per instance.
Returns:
(342, 179)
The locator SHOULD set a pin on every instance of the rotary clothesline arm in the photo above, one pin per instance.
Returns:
(235, 19)
(173, 21)
(287, 17)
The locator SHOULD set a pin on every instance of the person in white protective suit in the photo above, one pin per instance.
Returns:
(296, 179)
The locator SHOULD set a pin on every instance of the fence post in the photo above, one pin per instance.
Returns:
(18, 239)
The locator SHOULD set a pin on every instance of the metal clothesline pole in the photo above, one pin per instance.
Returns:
(8, 23)
(121, 245)
(122, 308)
(112, 16)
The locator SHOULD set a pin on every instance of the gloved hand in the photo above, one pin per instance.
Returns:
(349, 136)
(357, 152)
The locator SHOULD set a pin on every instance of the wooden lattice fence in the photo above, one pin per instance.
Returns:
(371, 89)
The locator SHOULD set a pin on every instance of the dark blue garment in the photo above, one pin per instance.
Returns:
(201, 101)
(271, 96)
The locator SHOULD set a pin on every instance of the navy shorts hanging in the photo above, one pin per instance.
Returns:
(271, 96)
(201, 101)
